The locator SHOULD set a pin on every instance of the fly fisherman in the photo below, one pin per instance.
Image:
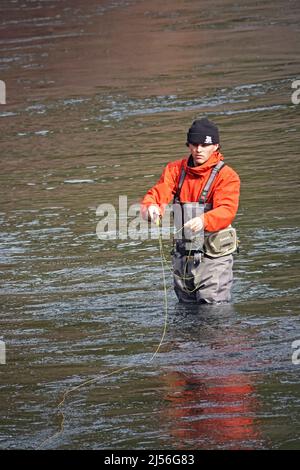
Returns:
(202, 273)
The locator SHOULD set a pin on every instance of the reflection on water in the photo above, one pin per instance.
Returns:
(87, 120)
(213, 400)
(212, 415)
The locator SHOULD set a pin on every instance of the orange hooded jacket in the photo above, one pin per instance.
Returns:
(223, 194)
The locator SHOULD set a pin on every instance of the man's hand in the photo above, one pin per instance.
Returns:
(195, 224)
(154, 214)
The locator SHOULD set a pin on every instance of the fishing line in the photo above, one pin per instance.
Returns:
(100, 376)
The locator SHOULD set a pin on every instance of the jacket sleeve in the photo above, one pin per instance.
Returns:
(162, 192)
(225, 200)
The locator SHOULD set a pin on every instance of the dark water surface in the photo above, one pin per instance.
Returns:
(99, 97)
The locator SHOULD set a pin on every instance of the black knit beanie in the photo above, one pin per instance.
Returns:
(203, 131)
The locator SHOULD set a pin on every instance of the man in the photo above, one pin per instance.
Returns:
(202, 275)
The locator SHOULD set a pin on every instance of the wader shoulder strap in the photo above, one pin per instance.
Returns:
(215, 171)
(180, 183)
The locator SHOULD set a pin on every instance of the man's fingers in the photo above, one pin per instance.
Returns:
(194, 224)
(155, 217)
(194, 227)
(154, 214)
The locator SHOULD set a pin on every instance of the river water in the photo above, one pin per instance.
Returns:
(99, 96)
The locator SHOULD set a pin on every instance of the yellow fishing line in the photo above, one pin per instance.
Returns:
(98, 377)
(162, 257)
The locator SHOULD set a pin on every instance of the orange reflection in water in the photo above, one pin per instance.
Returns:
(212, 413)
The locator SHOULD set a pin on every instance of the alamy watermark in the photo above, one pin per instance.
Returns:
(295, 98)
(2, 352)
(131, 222)
(296, 353)
(2, 92)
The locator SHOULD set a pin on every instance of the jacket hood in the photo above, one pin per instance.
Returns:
(201, 169)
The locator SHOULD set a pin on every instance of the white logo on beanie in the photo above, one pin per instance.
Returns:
(208, 140)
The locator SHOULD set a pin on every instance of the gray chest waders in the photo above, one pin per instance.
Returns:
(203, 274)
(213, 244)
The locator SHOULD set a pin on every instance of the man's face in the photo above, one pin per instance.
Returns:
(202, 152)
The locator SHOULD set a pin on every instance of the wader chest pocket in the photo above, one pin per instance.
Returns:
(221, 243)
